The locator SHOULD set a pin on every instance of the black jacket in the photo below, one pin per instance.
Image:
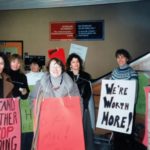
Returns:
(20, 81)
(83, 82)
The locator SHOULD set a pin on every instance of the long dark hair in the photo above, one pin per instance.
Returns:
(71, 56)
(6, 63)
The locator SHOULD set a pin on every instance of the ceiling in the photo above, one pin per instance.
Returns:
(30, 4)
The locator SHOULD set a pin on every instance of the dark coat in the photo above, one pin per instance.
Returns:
(19, 80)
(7, 86)
(83, 82)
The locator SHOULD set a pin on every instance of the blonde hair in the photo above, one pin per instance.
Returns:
(19, 58)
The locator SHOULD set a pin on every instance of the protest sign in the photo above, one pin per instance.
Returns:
(145, 139)
(80, 50)
(148, 121)
(9, 124)
(26, 116)
(141, 98)
(116, 105)
(60, 124)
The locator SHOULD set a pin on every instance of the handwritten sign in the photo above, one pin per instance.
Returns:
(60, 126)
(26, 116)
(117, 105)
(9, 124)
(78, 49)
(141, 102)
(145, 139)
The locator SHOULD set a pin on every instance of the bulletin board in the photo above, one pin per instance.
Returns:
(11, 47)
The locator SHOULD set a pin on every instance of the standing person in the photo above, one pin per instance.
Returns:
(82, 78)
(21, 89)
(123, 72)
(18, 78)
(35, 73)
(6, 85)
(54, 83)
(33, 76)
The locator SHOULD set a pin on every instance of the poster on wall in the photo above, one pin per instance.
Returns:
(116, 105)
(11, 47)
(79, 30)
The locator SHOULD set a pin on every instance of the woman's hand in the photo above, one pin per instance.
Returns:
(23, 91)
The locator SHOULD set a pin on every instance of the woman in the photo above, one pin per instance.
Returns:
(35, 73)
(124, 72)
(18, 78)
(82, 78)
(6, 85)
(55, 83)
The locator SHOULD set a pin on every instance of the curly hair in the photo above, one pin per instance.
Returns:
(71, 56)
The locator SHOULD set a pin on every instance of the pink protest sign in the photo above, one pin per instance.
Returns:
(145, 139)
(9, 124)
(60, 125)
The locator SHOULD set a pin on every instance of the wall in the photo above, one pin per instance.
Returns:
(127, 25)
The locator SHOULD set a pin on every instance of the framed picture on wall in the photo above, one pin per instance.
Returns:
(11, 47)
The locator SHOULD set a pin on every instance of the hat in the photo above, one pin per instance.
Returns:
(57, 53)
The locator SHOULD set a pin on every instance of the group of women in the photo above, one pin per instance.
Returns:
(62, 80)
(13, 82)
(58, 81)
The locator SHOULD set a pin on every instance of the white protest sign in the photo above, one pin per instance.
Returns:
(78, 49)
(116, 105)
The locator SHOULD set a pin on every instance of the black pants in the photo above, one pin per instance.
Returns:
(88, 131)
(26, 140)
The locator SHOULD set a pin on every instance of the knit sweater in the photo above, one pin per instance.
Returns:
(124, 72)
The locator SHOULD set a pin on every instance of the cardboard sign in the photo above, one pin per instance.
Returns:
(60, 125)
(117, 105)
(26, 116)
(141, 102)
(57, 53)
(148, 120)
(145, 139)
(80, 50)
(9, 124)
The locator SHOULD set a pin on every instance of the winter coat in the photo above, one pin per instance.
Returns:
(7, 86)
